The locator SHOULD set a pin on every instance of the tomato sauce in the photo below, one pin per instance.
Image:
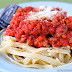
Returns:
(41, 33)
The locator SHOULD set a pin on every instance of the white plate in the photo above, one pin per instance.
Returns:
(8, 66)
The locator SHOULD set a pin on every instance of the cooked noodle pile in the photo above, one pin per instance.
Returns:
(39, 38)
(27, 56)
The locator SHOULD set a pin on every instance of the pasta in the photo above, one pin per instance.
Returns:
(39, 38)
(27, 56)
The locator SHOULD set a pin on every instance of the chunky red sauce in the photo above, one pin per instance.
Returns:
(41, 33)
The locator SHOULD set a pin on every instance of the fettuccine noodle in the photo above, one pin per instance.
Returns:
(27, 56)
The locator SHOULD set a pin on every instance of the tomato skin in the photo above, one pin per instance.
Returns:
(41, 33)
